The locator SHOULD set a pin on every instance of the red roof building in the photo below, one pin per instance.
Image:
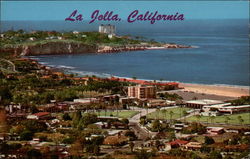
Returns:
(177, 143)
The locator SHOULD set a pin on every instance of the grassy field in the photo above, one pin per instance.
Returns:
(166, 114)
(120, 114)
(232, 119)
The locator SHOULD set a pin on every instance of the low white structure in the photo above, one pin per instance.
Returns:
(85, 100)
(199, 104)
(226, 108)
(235, 109)
(215, 130)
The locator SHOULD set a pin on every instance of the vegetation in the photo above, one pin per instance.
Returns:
(169, 96)
(120, 114)
(194, 128)
(14, 38)
(244, 100)
(168, 114)
(242, 118)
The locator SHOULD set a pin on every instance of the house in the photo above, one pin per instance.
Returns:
(176, 143)
(215, 130)
(119, 125)
(179, 126)
(102, 125)
(192, 146)
(39, 116)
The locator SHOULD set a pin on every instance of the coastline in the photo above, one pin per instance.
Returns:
(215, 89)
(223, 90)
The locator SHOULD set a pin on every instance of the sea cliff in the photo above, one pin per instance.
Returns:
(55, 43)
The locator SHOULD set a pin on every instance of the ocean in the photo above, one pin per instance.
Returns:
(220, 56)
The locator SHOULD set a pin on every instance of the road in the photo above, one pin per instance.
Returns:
(141, 132)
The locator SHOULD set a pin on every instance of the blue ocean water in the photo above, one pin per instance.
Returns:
(221, 56)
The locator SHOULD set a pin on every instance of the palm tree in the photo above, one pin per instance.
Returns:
(131, 145)
(171, 114)
(240, 119)
(226, 120)
(164, 111)
(158, 112)
(198, 118)
(212, 119)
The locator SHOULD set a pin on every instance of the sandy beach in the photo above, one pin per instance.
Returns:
(230, 91)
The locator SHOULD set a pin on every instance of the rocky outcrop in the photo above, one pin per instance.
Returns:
(113, 49)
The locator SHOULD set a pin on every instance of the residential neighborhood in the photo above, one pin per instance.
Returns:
(48, 114)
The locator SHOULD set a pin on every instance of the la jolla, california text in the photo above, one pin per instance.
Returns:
(134, 16)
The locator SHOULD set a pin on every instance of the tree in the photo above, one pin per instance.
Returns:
(158, 113)
(143, 121)
(198, 117)
(156, 125)
(33, 109)
(164, 111)
(76, 118)
(34, 154)
(131, 135)
(26, 135)
(209, 140)
(215, 155)
(125, 121)
(34, 125)
(171, 114)
(227, 119)
(240, 119)
(87, 119)
(96, 149)
(5, 95)
(157, 144)
(3, 122)
(76, 149)
(131, 145)
(143, 154)
(212, 118)
(66, 116)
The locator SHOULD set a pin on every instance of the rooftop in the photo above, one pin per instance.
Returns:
(41, 114)
(205, 102)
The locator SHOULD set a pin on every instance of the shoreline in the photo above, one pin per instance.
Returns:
(223, 90)
(214, 89)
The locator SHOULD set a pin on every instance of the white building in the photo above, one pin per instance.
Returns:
(107, 29)
(199, 104)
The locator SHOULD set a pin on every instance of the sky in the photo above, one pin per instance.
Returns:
(59, 10)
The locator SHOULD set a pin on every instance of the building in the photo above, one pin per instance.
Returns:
(142, 91)
(199, 104)
(107, 29)
(39, 116)
(235, 109)
(192, 146)
(215, 130)
(86, 100)
(176, 143)
(179, 126)
(225, 108)
(152, 103)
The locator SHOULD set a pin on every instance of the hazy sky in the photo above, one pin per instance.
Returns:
(59, 10)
